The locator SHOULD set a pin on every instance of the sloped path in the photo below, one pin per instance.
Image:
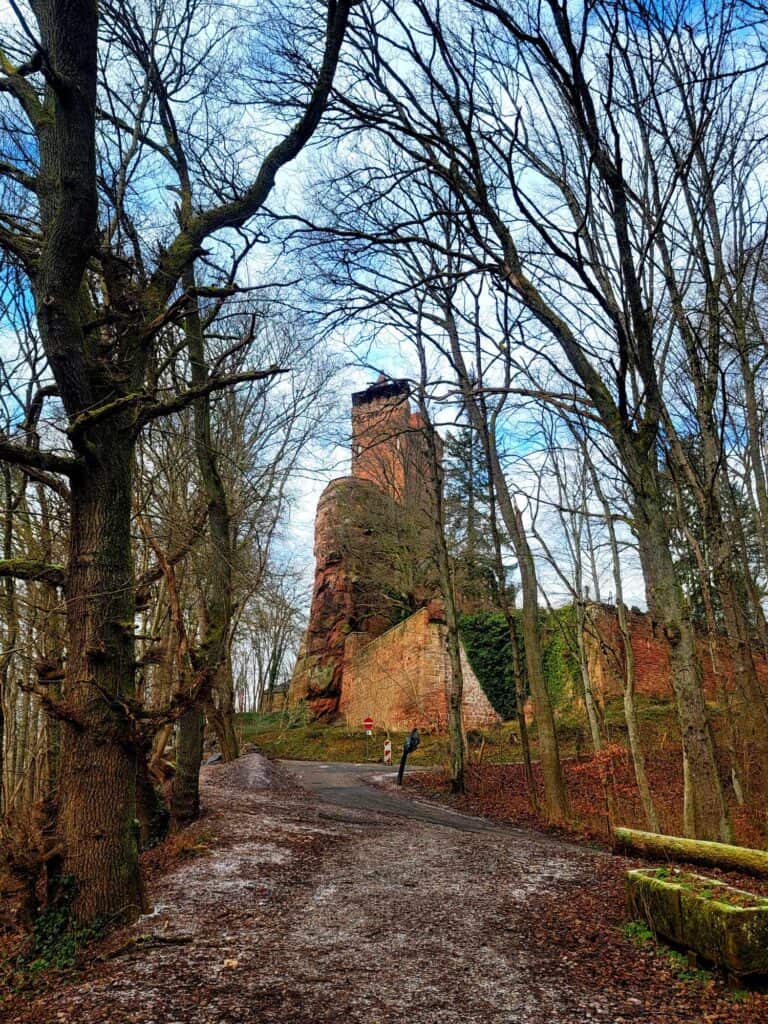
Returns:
(309, 911)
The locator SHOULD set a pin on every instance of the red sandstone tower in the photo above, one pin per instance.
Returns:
(388, 447)
(390, 479)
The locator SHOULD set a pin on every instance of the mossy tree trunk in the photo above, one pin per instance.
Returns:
(185, 792)
(705, 812)
(97, 762)
(212, 653)
(693, 851)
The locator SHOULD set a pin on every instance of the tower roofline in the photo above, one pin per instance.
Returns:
(389, 389)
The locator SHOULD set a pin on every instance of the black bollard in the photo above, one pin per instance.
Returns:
(412, 741)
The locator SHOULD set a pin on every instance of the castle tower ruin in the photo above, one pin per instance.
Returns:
(375, 642)
(366, 529)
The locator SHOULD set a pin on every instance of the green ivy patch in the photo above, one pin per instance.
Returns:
(486, 640)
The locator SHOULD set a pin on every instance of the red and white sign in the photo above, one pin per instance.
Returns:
(368, 724)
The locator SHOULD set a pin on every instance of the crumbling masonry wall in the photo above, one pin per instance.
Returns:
(605, 658)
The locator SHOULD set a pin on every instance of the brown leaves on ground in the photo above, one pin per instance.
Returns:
(282, 911)
(499, 791)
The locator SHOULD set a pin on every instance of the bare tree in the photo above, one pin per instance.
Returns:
(532, 119)
(101, 299)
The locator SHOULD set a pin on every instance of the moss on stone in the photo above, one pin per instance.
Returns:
(725, 925)
(657, 902)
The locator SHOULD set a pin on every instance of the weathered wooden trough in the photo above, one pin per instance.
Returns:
(722, 924)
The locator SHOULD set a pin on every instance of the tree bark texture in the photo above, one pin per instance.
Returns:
(98, 758)
(185, 793)
(705, 812)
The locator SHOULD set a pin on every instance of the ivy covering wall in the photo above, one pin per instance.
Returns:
(486, 640)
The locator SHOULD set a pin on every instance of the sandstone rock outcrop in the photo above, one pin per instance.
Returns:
(342, 601)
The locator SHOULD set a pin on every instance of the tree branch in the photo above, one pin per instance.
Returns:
(237, 212)
(186, 398)
(29, 458)
(153, 575)
(36, 572)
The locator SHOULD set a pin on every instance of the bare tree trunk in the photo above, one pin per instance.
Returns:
(555, 799)
(220, 710)
(185, 794)
(750, 707)
(705, 812)
(457, 743)
(630, 711)
(98, 761)
(755, 432)
(11, 632)
(593, 716)
(509, 615)
(214, 646)
(517, 674)
(556, 803)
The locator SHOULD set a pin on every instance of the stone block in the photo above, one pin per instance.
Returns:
(724, 925)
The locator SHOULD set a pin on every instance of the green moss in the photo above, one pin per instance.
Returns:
(657, 902)
(561, 667)
(723, 924)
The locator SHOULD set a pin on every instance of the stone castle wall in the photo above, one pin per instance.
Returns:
(605, 654)
(400, 679)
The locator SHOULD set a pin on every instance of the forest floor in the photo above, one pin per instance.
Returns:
(499, 792)
(319, 907)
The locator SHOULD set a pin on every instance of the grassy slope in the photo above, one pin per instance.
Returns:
(288, 734)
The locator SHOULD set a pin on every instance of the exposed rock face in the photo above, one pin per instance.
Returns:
(342, 602)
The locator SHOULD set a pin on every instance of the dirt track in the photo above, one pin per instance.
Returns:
(308, 912)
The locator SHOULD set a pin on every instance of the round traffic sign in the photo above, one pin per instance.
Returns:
(368, 723)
